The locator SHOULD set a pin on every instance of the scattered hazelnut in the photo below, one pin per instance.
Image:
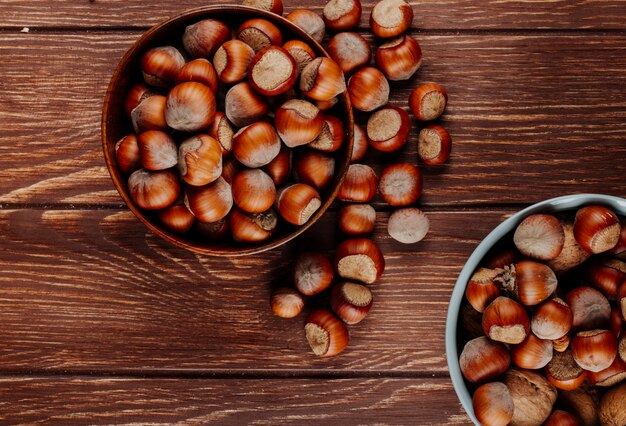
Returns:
(390, 18)
(312, 273)
(341, 15)
(350, 50)
(428, 101)
(388, 129)
(408, 225)
(359, 259)
(286, 302)
(400, 184)
(434, 145)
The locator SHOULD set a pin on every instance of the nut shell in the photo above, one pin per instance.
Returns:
(434, 145)
(505, 320)
(298, 122)
(160, 65)
(312, 273)
(533, 397)
(368, 89)
(359, 184)
(326, 334)
(540, 236)
(177, 218)
(359, 259)
(408, 225)
(613, 408)
(594, 350)
(390, 18)
(231, 61)
(357, 219)
(190, 107)
(331, 137)
(199, 70)
(259, 33)
(482, 289)
(252, 227)
(563, 372)
(203, 38)
(322, 79)
(158, 150)
(351, 302)
(154, 190)
(533, 353)
(256, 145)
(483, 360)
(200, 160)
(597, 229)
(388, 129)
(209, 203)
(314, 168)
(272, 71)
(401, 184)
(243, 105)
(298, 202)
(350, 50)
(341, 15)
(428, 101)
(309, 21)
(493, 405)
(253, 191)
(286, 302)
(399, 58)
(127, 154)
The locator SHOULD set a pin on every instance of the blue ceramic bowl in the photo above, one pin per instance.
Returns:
(559, 204)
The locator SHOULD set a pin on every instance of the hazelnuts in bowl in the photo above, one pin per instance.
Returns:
(545, 296)
(203, 117)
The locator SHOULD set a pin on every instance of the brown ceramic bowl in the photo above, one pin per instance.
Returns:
(116, 125)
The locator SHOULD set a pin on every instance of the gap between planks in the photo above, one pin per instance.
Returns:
(425, 31)
(245, 374)
(380, 207)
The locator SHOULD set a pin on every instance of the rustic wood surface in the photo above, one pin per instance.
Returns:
(103, 322)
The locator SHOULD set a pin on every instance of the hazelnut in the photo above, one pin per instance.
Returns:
(533, 397)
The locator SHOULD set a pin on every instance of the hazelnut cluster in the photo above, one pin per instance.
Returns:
(234, 133)
(358, 261)
(545, 323)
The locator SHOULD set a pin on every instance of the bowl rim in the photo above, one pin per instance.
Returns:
(199, 13)
(566, 202)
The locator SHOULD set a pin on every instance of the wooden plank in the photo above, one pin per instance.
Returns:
(84, 289)
(429, 14)
(545, 112)
(228, 402)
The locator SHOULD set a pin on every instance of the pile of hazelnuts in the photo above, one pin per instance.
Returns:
(237, 132)
(543, 326)
(358, 261)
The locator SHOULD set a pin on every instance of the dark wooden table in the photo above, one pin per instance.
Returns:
(103, 322)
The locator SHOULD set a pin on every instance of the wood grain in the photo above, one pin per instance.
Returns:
(100, 293)
(429, 14)
(85, 400)
(547, 112)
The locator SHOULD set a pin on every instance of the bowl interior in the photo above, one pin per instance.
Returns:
(559, 204)
(116, 125)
